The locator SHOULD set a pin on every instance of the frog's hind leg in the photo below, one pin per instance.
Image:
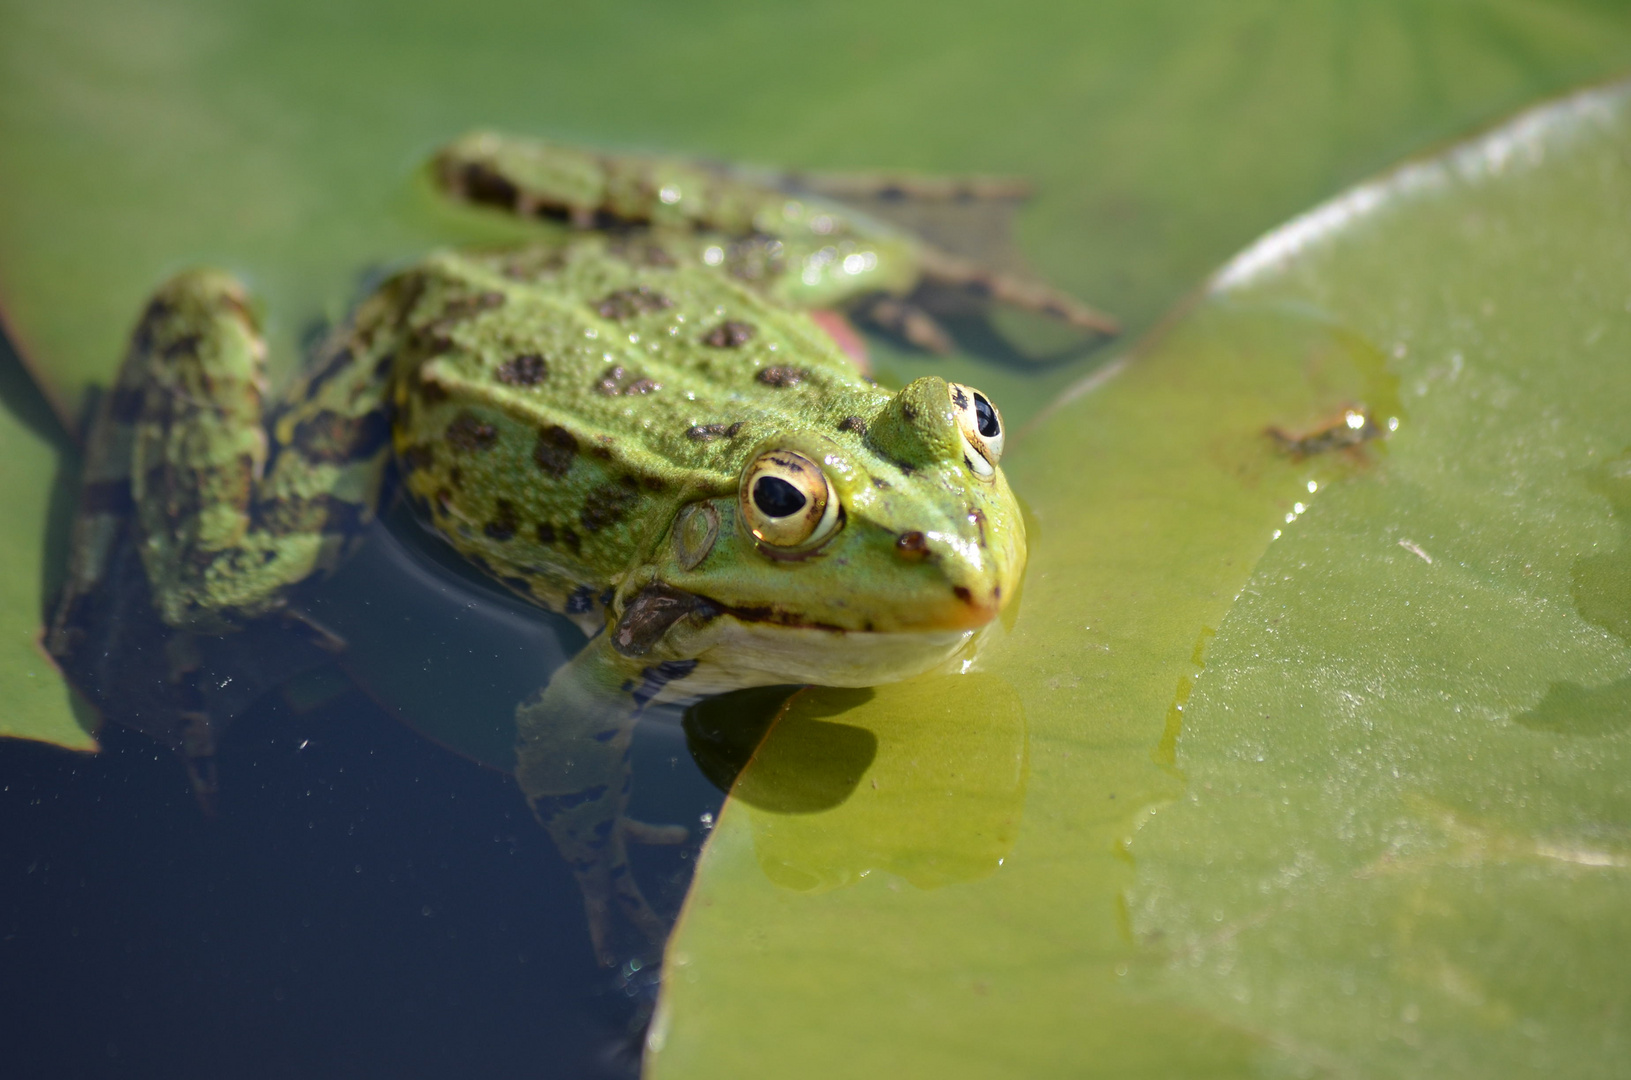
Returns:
(230, 516)
(973, 213)
(181, 534)
(573, 766)
(944, 269)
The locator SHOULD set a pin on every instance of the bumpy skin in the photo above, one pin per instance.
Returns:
(575, 420)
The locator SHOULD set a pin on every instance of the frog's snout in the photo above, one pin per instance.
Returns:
(971, 590)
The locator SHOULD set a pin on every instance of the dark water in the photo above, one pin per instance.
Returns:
(363, 902)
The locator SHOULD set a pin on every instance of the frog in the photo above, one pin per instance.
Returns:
(642, 426)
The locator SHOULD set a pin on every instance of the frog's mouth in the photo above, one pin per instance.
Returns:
(659, 606)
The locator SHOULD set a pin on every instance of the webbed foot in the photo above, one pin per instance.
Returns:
(594, 837)
(572, 762)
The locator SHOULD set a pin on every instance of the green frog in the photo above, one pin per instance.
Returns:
(640, 427)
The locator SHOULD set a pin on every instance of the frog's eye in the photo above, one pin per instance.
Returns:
(980, 425)
(787, 501)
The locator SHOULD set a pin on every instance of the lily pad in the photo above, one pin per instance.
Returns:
(1326, 753)
(36, 703)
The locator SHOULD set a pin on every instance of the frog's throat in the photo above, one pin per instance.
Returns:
(731, 654)
(737, 648)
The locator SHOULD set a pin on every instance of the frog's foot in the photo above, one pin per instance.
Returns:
(941, 268)
(655, 835)
(909, 322)
(572, 762)
(889, 186)
(593, 835)
(197, 749)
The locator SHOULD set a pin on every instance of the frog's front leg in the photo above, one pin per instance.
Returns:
(573, 766)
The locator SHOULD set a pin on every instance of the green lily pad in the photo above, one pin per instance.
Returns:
(1327, 754)
(34, 702)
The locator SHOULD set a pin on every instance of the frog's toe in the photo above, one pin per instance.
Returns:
(598, 909)
(634, 907)
(642, 833)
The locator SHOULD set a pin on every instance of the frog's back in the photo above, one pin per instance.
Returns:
(555, 407)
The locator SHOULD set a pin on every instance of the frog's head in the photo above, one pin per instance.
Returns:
(896, 522)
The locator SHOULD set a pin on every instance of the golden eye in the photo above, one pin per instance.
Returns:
(980, 425)
(787, 500)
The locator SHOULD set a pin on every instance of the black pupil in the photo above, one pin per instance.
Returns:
(986, 417)
(776, 497)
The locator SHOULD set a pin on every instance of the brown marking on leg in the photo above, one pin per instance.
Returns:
(504, 521)
(782, 376)
(555, 450)
(608, 504)
(470, 434)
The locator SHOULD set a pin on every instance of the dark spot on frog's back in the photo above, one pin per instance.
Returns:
(504, 521)
(854, 424)
(913, 546)
(619, 381)
(331, 437)
(707, 432)
(555, 450)
(608, 504)
(627, 303)
(546, 533)
(729, 334)
(528, 369)
(780, 377)
(469, 433)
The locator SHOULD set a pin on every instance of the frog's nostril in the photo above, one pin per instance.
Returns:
(912, 546)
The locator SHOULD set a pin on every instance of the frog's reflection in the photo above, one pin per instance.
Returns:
(924, 779)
